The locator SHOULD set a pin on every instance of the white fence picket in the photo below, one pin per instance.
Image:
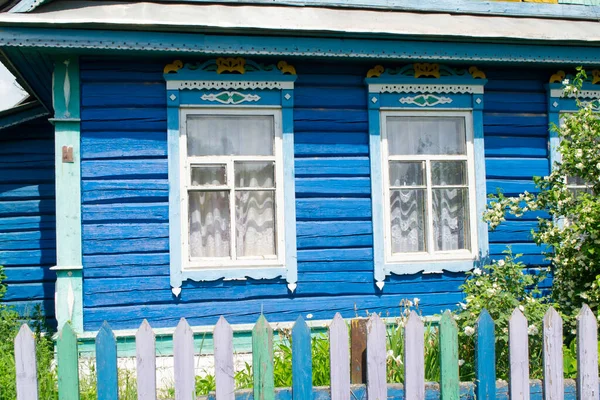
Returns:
(519, 356)
(183, 359)
(145, 351)
(587, 355)
(376, 357)
(26, 365)
(339, 355)
(224, 372)
(414, 356)
(553, 356)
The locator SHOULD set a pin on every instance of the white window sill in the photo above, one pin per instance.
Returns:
(430, 266)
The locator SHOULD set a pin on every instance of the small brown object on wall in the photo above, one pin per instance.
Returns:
(67, 154)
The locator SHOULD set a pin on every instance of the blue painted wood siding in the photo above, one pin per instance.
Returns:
(27, 217)
(125, 199)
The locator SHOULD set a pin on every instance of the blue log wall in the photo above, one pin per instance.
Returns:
(125, 199)
(27, 217)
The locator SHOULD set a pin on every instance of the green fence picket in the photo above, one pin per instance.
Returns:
(449, 381)
(67, 364)
(262, 360)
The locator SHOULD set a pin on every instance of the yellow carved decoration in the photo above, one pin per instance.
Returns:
(427, 69)
(375, 72)
(286, 68)
(558, 77)
(173, 67)
(231, 64)
(476, 73)
(595, 76)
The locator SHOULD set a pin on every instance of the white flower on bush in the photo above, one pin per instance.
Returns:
(416, 300)
(461, 363)
(390, 354)
(565, 82)
(309, 316)
(469, 330)
(463, 306)
(501, 263)
(532, 330)
(522, 308)
(477, 271)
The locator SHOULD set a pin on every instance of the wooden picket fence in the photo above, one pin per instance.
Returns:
(376, 388)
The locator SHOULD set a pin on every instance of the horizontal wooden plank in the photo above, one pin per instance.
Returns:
(118, 246)
(27, 222)
(27, 175)
(311, 78)
(26, 191)
(516, 167)
(330, 120)
(516, 146)
(510, 187)
(335, 150)
(124, 119)
(113, 144)
(328, 234)
(27, 308)
(514, 84)
(333, 97)
(351, 254)
(335, 266)
(333, 209)
(151, 212)
(125, 169)
(123, 94)
(132, 189)
(28, 257)
(24, 274)
(516, 102)
(333, 186)
(335, 166)
(275, 310)
(29, 291)
(28, 148)
(26, 207)
(507, 124)
(513, 232)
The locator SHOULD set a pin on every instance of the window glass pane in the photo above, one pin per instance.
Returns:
(408, 220)
(406, 173)
(218, 135)
(209, 224)
(449, 173)
(254, 174)
(255, 223)
(426, 135)
(208, 175)
(451, 219)
(575, 181)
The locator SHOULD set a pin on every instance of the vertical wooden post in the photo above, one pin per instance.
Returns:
(485, 357)
(262, 360)
(224, 371)
(449, 382)
(518, 356)
(26, 365)
(414, 357)
(358, 350)
(301, 361)
(587, 355)
(106, 364)
(339, 357)
(67, 364)
(376, 358)
(553, 356)
(183, 358)
(145, 352)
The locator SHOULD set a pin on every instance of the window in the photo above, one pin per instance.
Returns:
(233, 171)
(232, 205)
(428, 171)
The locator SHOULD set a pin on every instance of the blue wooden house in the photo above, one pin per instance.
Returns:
(243, 157)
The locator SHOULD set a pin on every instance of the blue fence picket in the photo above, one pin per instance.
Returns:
(106, 364)
(485, 358)
(301, 361)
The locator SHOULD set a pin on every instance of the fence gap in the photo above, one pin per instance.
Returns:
(67, 364)
(183, 360)
(414, 355)
(376, 357)
(106, 364)
(587, 354)
(339, 357)
(301, 361)
(358, 350)
(518, 356)
(262, 360)
(224, 371)
(485, 357)
(553, 356)
(26, 364)
(449, 382)
(145, 351)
